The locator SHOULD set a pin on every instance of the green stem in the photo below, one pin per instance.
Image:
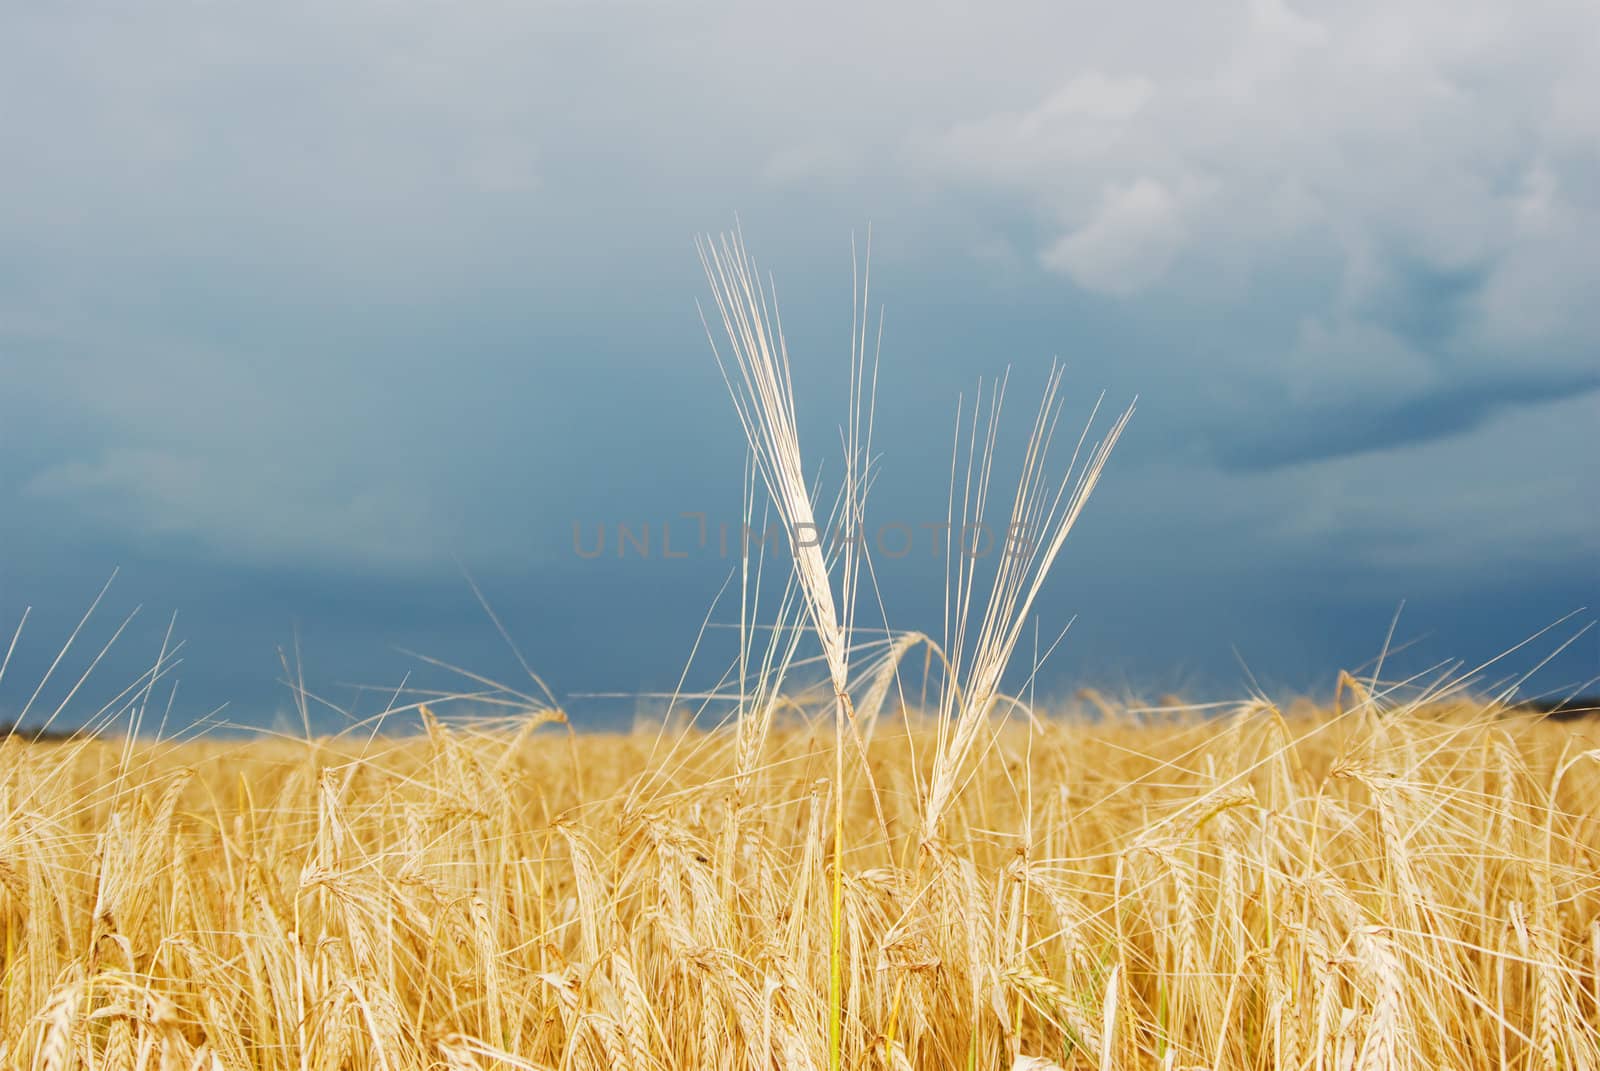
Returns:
(836, 951)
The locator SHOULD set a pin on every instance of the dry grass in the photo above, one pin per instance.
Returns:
(1411, 888)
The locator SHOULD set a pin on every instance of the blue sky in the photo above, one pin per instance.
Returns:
(301, 305)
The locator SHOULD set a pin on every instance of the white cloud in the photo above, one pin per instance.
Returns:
(1401, 137)
(1128, 243)
(1538, 298)
(1038, 147)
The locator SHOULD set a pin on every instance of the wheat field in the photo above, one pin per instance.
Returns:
(1394, 885)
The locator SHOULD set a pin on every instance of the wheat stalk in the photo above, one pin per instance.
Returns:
(763, 396)
(1043, 513)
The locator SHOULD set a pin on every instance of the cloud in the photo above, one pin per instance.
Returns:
(1089, 117)
(1329, 231)
(1126, 246)
(1506, 495)
(805, 163)
(258, 510)
(1350, 360)
(1319, 431)
(1538, 296)
(1093, 96)
(302, 290)
(1430, 159)
(262, 451)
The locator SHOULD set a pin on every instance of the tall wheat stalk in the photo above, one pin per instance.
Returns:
(763, 397)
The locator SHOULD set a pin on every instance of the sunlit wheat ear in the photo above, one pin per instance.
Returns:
(1035, 1063)
(1108, 1028)
(1043, 512)
(1382, 1048)
(59, 1016)
(882, 679)
(763, 397)
(1053, 1001)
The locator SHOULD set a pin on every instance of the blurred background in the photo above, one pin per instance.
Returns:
(306, 309)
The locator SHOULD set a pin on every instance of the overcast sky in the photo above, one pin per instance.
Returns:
(301, 304)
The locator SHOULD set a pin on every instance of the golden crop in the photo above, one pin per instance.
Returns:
(1407, 886)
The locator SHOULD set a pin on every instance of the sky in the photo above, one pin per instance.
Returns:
(308, 311)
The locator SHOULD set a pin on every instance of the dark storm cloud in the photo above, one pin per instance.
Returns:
(300, 304)
(1279, 439)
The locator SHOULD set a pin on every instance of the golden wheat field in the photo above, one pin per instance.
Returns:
(1394, 885)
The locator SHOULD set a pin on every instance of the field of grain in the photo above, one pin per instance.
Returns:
(1394, 885)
